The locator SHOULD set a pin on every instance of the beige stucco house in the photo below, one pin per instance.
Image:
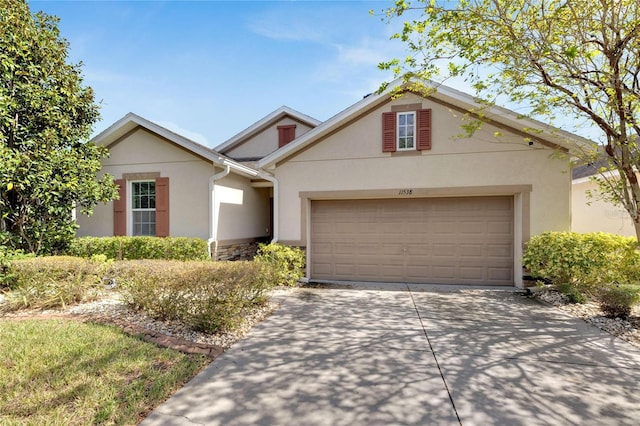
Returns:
(386, 190)
(590, 213)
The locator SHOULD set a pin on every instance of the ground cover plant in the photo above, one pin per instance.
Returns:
(598, 266)
(62, 372)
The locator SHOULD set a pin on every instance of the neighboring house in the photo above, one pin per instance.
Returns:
(383, 191)
(591, 213)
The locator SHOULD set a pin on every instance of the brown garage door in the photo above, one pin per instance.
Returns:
(432, 240)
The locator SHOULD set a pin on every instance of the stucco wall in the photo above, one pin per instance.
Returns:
(145, 152)
(599, 216)
(265, 142)
(352, 159)
(243, 210)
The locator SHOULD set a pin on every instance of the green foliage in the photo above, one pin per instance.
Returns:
(131, 248)
(207, 296)
(52, 282)
(6, 256)
(287, 262)
(46, 115)
(572, 292)
(581, 263)
(617, 300)
(576, 58)
(60, 372)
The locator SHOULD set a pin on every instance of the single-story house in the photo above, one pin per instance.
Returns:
(386, 190)
(590, 213)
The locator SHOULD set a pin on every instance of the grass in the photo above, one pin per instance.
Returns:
(62, 372)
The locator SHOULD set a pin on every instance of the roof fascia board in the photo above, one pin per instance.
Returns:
(553, 136)
(509, 118)
(131, 121)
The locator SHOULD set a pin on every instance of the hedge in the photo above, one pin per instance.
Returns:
(604, 267)
(52, 282)
(131, 248)
(287, 262)
(206, 296)
(583, 259)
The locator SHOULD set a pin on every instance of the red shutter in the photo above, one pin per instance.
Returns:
(388, 132)
(120, 209)
(286, 134)
(424, 129)
(162, 207)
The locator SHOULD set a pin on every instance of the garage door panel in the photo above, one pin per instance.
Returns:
(442, 250)
(391, 273)
(472, 250)
(344, 248)
(500, 251)
(499, 274)
(320, 268)
(321, 248)
(440, 240)
(499, 227)
(345, 269)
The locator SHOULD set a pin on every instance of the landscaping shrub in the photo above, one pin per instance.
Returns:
(119, 248)
(206, 296)
(50, 282)
(287, 263)
(579, 264)
(6, 256)
(618, 300)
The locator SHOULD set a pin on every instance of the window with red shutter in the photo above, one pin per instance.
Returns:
(120, 209)
(388, 132)
(162, 207)
(406, 130)
(424, 129)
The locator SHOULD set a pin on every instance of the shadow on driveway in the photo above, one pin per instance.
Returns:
(403, 355)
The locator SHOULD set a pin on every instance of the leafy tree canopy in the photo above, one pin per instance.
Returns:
(46, 116)
(577, 58)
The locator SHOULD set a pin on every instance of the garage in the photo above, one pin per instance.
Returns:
(457, 240)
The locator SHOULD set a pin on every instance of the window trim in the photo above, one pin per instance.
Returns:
(131, 210)
(414, 127)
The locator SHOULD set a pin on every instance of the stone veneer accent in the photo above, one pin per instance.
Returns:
(239, 251)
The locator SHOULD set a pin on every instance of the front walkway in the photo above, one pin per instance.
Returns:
(384, 355)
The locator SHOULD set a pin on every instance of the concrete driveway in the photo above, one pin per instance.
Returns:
(384, 355)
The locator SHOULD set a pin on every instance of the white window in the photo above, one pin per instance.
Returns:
(406, 131)
(143, 208)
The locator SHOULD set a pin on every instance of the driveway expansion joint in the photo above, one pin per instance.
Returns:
(435, 358)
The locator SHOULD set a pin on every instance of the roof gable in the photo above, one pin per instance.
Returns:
(501, 117)
(268, 121)
(131, 122)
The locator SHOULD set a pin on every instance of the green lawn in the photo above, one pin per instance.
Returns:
(61, 372)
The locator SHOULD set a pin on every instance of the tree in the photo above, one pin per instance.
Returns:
(46, 116)
(578, 58)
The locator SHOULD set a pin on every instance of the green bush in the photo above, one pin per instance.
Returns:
(206, 296)
(287, 263)
(51, 282)
(6, 256)
(131, 248)
(581, 263)
(618, 300)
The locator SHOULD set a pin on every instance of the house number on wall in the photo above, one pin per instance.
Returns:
(405, 192)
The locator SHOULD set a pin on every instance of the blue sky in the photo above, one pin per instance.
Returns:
(209, 69)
